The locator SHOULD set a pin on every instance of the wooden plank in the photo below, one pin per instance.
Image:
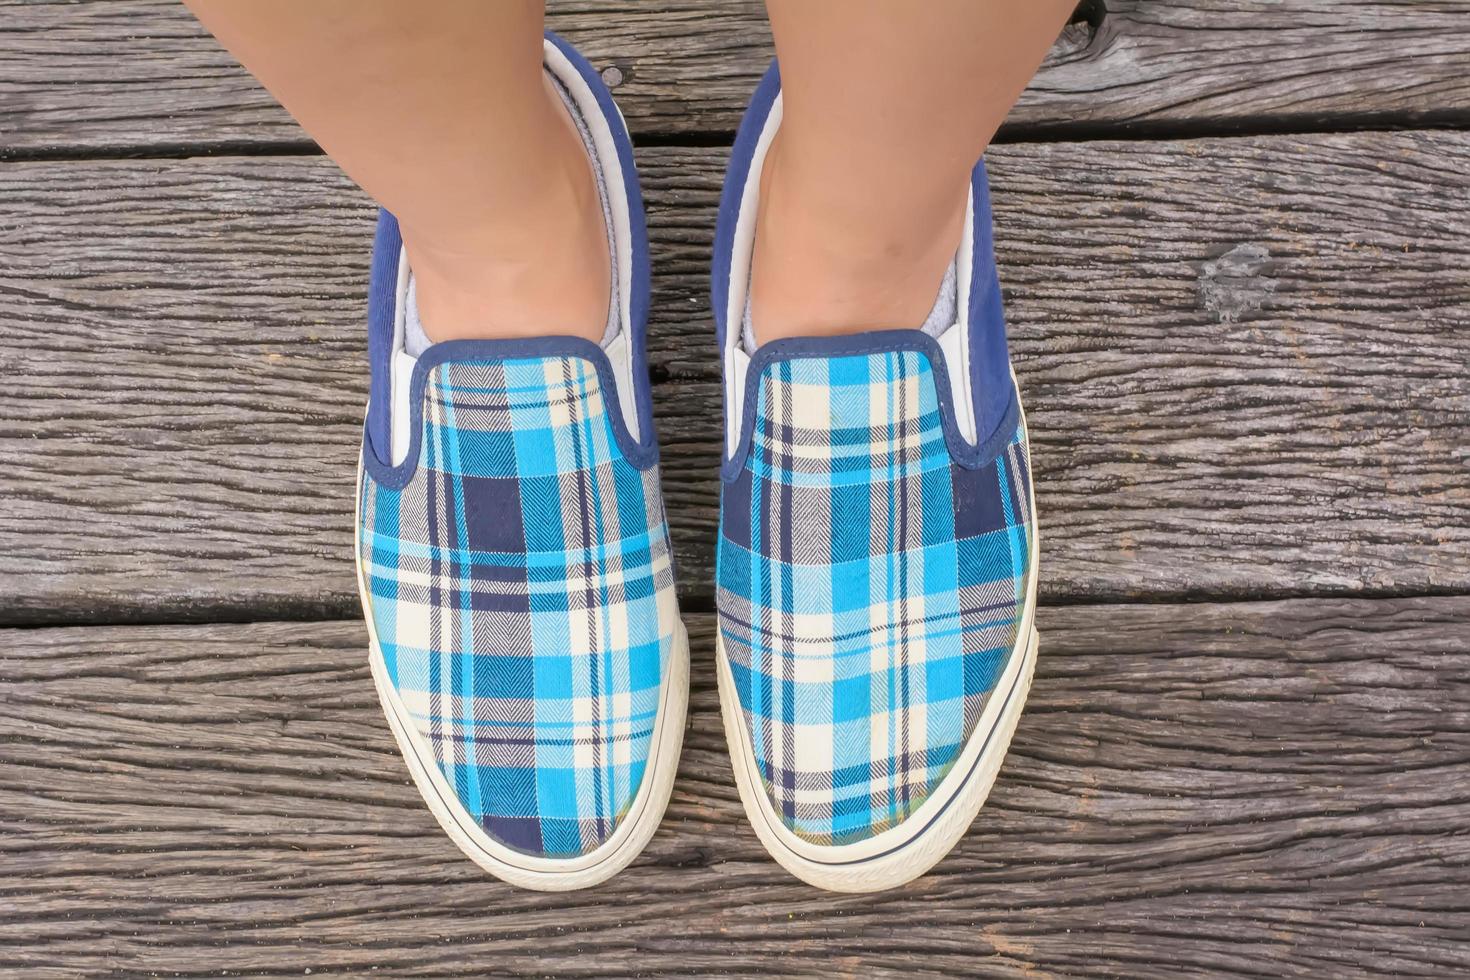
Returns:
(1264, 788)
(183, 350)
(140, 75)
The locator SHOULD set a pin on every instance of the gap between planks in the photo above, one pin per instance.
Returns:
(119, 75)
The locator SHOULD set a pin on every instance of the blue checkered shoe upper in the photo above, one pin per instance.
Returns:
(522, 594)
(869, 588)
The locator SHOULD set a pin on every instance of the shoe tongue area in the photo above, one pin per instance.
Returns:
(496, 386)
(852, 394)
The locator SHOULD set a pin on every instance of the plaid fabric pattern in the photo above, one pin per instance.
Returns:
(522, 593)
(869, 589)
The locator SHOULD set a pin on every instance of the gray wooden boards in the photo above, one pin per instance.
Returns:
(1259, 788)
(1243, 359)
(141, 76)
(1244, 364)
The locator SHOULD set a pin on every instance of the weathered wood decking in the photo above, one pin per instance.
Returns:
(1235, 239)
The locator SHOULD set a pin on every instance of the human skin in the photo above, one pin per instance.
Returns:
(442, 113)
(886, 107)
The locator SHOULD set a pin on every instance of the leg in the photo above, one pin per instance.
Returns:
(442, 113)
(887, 108)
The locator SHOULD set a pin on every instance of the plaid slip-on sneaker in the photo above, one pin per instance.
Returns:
(515, 568)
(876, 577)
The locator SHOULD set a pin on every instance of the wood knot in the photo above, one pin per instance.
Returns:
(1235, 283)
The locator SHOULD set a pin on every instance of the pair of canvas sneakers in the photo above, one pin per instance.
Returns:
(876, 571)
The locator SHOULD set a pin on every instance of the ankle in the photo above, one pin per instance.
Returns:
(550, 285)
(532, 262)
(832, 259)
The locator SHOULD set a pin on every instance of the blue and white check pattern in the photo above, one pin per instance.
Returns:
(522, 593)
(869, 589)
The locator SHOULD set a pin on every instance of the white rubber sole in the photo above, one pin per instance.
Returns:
(905, 852)
(507, 864)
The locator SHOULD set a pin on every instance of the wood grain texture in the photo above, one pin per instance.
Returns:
(140, 75)
(1243, 361)
(1269, 789)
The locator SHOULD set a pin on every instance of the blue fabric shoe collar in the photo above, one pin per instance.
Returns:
(641, 453)
(965, 453)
